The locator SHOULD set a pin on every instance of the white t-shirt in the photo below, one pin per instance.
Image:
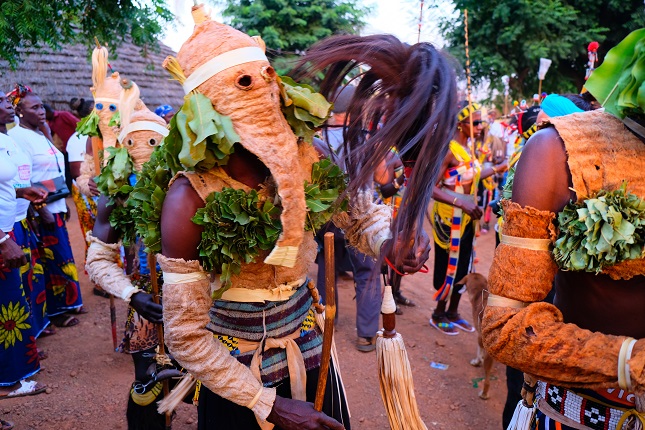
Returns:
(76, 145)
(23, 178)
(47, 162)
(7, 193)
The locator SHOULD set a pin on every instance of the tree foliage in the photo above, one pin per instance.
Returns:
(508, 37)
(289, 27)
(37, 23)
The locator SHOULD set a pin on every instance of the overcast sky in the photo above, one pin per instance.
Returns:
(397, 17)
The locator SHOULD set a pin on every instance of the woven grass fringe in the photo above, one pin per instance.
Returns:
(522, 417)
(177, 395)
(397, 387)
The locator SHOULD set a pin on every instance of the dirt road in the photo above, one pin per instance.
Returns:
(90, 381)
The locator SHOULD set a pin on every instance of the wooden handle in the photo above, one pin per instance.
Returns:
(97, 153)
(330, 314)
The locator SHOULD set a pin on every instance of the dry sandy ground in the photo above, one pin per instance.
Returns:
(90, 382)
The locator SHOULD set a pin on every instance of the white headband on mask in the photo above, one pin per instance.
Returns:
(222, 62)
(143, 126)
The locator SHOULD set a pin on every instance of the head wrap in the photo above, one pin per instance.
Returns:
(18, 93)
(555, 105)
(526, 121)
(163, 110)
(467, 111)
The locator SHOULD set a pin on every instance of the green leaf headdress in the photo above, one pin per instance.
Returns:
(619, 83)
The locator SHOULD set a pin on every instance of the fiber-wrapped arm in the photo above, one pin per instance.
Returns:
(186, 304)
(87, 173)
(102, 265)
(366, 224)
(534, 338)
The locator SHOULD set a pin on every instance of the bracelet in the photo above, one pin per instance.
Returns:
(454, 202)
(5, 238)
(624, 378)
(494, 170)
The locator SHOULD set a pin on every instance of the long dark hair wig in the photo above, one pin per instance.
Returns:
(414, 89)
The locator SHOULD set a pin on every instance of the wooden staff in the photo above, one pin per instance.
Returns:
(97, 151)
(330, 314)
(468, 86)
(152, 265)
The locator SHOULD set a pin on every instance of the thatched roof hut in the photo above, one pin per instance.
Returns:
(58, 76)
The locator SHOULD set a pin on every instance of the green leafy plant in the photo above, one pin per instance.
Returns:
(89, 125)
(237, 226)
(207, 137)
(328, 182)
(304, 108)
(115, 121)
(113, 182)
(117, 171)
(601, 231)
(146, 199)
(619, 83)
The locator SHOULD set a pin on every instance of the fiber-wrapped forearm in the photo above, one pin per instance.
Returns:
(87, 173)
(535, 339)
(185, 315)
(102, 265)
(366, 224)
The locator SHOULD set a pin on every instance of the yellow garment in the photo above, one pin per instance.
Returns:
(444, 211)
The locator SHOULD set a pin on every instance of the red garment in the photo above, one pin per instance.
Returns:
(64, 125)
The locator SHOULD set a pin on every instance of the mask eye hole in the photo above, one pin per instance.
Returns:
(113, 108)
(268, 73)
(152, 142)
(99, 106)
(244, 82)
(129, 142)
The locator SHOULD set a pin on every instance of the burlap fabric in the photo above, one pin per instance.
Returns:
(535, 339)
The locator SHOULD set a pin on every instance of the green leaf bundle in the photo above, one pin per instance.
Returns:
(113, 182)
(199, 137)
(304, 108)
(89, 125)
(328, 182)
(146, 199)
(619, 83)
(601, 231)
(237, 226)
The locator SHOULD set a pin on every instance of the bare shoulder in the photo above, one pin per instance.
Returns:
(542, 178)
(180, 236)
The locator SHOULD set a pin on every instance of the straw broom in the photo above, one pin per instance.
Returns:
(395, 374)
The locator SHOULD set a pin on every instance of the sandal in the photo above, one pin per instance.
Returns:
(460, 323)
(441, 323)
(64, 320)
(42, 355)
(49, 331)
(402, 300)
(6, 425)
(27, 388)
(366, 344)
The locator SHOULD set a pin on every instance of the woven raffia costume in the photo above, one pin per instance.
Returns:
(532, 336)
(260, 298)
(587, 379)
(140, 132)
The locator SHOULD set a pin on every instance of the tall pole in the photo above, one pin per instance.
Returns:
(420, 22)
(468, 86)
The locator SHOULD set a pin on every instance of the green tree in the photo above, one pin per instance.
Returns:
(508, 37)
(289, 27)
(37, 23)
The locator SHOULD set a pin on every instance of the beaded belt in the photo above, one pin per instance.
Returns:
(582, 410)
